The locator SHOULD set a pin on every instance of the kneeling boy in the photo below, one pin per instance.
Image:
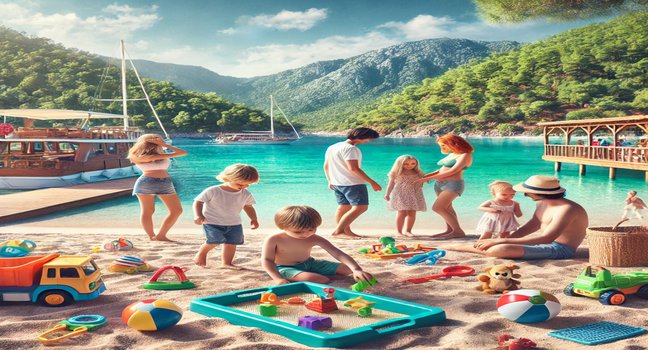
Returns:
(286, 256)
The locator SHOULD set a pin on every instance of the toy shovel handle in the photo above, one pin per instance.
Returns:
(59, 328)
(426, 278)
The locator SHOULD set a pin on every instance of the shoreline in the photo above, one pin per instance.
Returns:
(522, 136)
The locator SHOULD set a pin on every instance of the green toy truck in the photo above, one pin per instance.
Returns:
(610, 289)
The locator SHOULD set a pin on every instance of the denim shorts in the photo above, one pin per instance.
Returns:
(351, 195)
(456, 186)
(219, 234)
(552, 250)
(323, 267)
(153, 185)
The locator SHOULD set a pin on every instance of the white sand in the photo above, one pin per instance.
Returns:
(473, 321)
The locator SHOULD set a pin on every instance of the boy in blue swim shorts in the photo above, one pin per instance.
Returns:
(286, 256)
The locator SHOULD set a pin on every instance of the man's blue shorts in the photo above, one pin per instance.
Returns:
(552, 250)
(351, 195)
(219, 234)
(323, 267)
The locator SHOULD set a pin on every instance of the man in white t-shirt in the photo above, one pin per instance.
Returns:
(343, 169)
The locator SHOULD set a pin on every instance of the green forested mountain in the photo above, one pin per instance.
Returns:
(596, 71)
(36, 73)
(321, 94)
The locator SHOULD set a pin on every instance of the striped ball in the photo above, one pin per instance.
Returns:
(151, 315)
(528, 306)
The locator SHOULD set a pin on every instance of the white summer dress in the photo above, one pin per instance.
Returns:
(406, 194)
(504, 221)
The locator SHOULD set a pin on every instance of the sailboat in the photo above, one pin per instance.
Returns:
(259, 137)
(36, 157)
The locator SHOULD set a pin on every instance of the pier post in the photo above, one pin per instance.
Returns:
(581, 169)
(646, 176)
(557, 166)
(612, 173)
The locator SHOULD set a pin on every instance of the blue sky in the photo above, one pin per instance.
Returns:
(247, 38)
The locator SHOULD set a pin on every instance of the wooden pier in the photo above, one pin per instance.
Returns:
(29, 204)
(625, 143)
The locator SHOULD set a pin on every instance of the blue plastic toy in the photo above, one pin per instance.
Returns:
(430, 257)
(16, 248)
(597, 333)
(411, 315)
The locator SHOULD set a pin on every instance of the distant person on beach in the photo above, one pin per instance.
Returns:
(218, 210)
(286, 256)
(149, 156)
(343, 170)
(635, 205)
(449, 182)
(404, 194)
(500, 213)
(562, 224)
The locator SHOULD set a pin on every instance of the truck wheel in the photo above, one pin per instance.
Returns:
(569, 290)
(643, 292)
(55, 298)
(612, 297)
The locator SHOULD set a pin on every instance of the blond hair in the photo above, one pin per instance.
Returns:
(238, 172)
(397, 168)
(297, 217)
(144, 148)
(500, 186)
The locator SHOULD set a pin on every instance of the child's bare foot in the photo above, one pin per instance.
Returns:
(408, 234)
(152, 237)
(231, 267)
(200, 260)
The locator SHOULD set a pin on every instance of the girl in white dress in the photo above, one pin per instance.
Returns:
(500, 213)
(404, 194)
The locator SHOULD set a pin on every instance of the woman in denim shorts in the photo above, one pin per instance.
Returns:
(149, 156)
(449, 181)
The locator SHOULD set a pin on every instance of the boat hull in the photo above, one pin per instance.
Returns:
(36, 182)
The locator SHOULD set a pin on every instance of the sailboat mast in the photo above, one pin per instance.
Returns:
(272, 117)
(124, 92)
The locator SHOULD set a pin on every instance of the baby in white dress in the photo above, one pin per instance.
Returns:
(500, 213)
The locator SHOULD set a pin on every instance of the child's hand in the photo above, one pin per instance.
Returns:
(199, 220)
(386, 197)
(362, 275)
(255, 224)
(282, 281)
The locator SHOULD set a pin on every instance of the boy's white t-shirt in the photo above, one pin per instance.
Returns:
(337, 155)
(223, 207)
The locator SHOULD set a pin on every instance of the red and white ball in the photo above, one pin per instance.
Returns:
(528, 306)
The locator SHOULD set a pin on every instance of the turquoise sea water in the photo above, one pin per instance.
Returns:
(293, 175)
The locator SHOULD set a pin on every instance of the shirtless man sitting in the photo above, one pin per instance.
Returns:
(563, 224)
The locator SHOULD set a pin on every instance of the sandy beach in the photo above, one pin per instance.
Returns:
(472, 318)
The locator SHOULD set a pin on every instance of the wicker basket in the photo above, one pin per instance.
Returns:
(625, 246)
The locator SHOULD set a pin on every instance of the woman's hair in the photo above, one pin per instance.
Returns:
(362, 133)
(144, 148)
(499, 186)
(456, 143)
(297, 217)
(238, 172)
(397, 168)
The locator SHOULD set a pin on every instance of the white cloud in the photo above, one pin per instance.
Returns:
(228, 31)
(97, 34)
(422, 27)
(287, 20)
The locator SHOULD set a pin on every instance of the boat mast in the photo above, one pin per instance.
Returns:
(124, 91)
(272, 133)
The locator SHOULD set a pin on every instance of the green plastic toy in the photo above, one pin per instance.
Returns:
(610, 289)
(361, 285)
(182, 283)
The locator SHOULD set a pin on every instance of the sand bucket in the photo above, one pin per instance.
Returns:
(623, 246)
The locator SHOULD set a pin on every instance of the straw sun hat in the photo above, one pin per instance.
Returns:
(540, 184)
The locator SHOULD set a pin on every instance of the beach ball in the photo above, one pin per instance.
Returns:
(528, 306)
(151, 315)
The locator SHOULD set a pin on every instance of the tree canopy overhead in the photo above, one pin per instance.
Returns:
(512, 11)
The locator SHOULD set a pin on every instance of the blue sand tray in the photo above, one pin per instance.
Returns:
(389, 315)
(597, 333)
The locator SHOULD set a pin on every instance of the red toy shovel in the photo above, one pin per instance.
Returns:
(458, 270)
